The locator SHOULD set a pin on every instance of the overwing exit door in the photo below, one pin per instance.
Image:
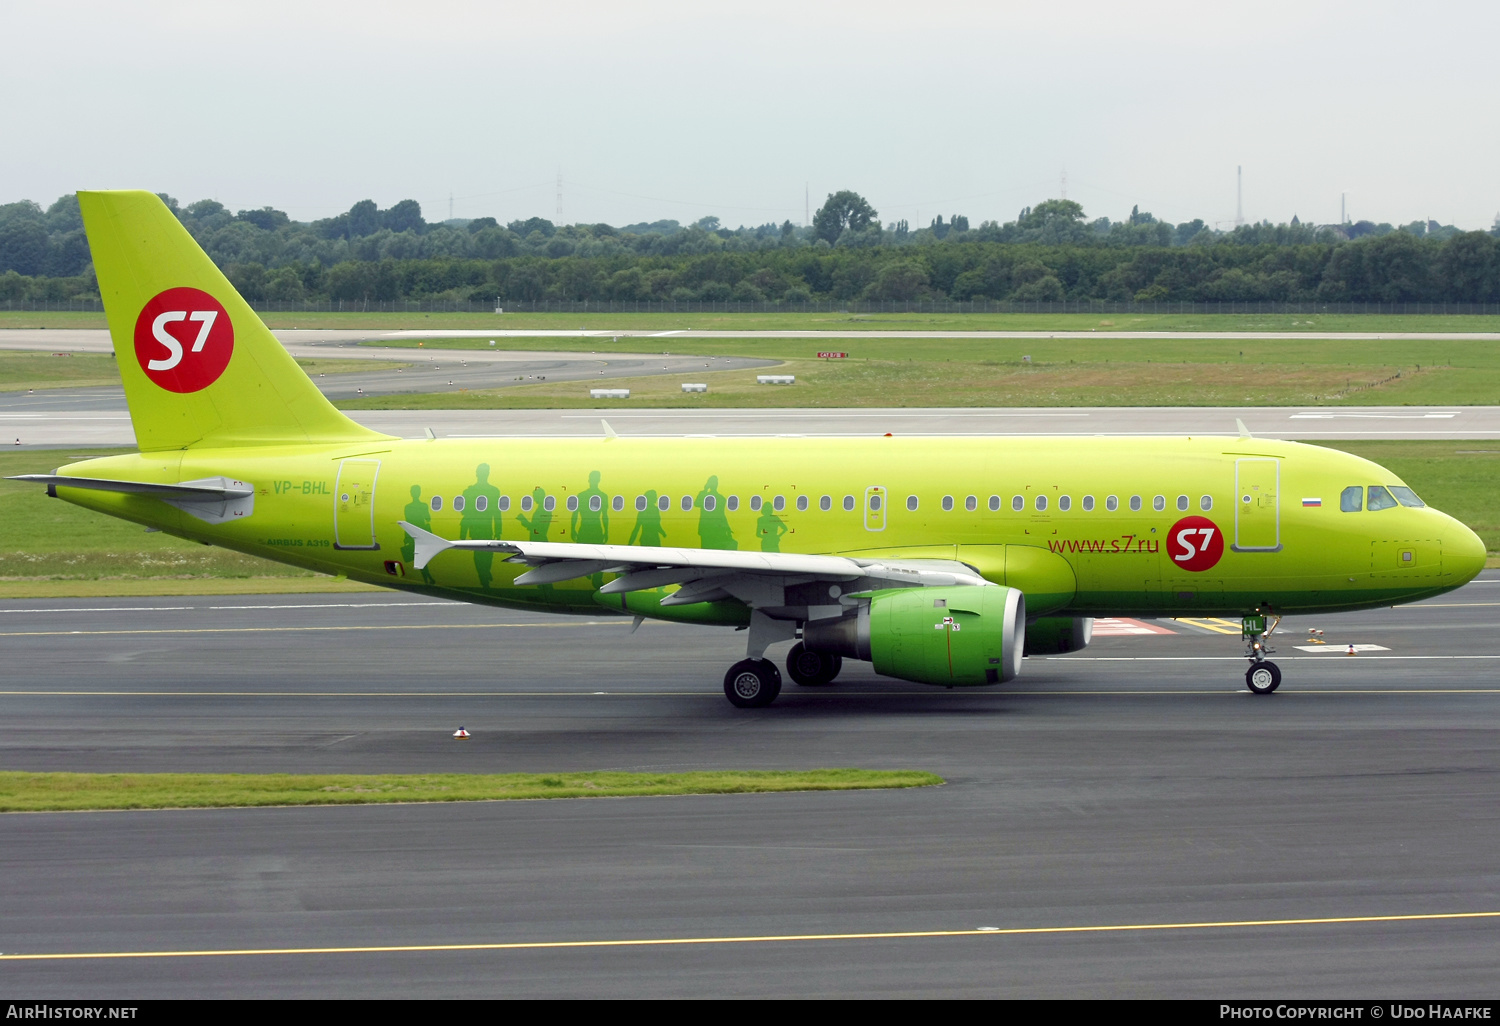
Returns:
(1257, 509)
(875, 502)
(354, 505)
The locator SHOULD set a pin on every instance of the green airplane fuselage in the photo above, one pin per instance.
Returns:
(1094, 526)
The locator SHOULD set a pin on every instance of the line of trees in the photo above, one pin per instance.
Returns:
(1050, 252)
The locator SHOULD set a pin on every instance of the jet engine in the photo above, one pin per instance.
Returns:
(948, 636)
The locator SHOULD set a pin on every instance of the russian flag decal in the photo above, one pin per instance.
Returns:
(1312, 502)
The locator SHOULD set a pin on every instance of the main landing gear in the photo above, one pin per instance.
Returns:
(752, 683)
(1264, 676)
(812, 669)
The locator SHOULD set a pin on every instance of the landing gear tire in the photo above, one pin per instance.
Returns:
(1263, 678)
(812, 669)
(752, 683)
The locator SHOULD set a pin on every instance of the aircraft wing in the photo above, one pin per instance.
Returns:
(762, 580)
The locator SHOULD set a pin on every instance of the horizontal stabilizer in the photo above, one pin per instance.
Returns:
(185, 490)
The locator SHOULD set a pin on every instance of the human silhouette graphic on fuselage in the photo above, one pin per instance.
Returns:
(539, 523)
(418, 515)
(589, 523)
(481, 519)
(770, 527)
(714, 531)
(648, 529)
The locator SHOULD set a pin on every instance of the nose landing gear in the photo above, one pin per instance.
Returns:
(1264, 676)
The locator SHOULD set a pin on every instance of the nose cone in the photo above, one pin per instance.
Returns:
(1468, 554)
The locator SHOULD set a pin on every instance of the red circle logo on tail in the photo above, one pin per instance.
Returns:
(1195, 544)
(183, 339)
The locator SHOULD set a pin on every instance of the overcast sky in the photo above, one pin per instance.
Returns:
(682, 109)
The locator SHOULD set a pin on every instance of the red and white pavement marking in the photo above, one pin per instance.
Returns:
(1119, 626)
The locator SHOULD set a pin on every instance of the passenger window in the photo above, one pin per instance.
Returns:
(1135, 504)
(875, 503)
(911, 503)
(1206, 503)
(779, 503)
(1182, 503)
(617, 503)
(825, 503)
(549, 503)
(1159, 503)
(732, 503)
(971, 504)
(663, 502)
(947, 503)
(709, 502)
(1064, 502)
(801, 504)
(1406, 496)
(526, 504)
(458, 504)
(1111, 503)
(994, 503)
(437, 503)
(1088, 503)
(1379, 499)
(572, 504)
(1352, 499)
(640, 503)
(1018, 502)
(848, 503)
(754, 503)
(1041, 502)
(504, 504)
(687, 503)
(595, 503)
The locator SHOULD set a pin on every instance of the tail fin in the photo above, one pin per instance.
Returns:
(200, 368)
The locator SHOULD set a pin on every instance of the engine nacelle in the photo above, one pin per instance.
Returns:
(1056, 635)
(949, 636)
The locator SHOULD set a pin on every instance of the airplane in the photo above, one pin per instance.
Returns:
(942, 561)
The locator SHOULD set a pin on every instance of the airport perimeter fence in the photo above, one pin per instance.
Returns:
(938, 306)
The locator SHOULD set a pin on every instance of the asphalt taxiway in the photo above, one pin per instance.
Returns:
(1334, 839)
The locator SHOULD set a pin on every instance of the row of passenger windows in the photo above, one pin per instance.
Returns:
(1380, 497)
(825, 503)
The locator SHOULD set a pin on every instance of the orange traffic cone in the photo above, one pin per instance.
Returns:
(462, 735)
(1351, 650)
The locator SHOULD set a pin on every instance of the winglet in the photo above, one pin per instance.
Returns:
(428, 545)
(609, 432)
(1244, 431)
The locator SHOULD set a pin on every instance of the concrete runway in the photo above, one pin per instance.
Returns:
(437, 370)
(1134, 784)
(76, 418)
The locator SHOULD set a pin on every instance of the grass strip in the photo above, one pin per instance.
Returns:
(78, 792)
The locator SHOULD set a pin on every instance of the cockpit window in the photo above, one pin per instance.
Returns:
(1379, 499)
(1352, 499)
(1406, 496)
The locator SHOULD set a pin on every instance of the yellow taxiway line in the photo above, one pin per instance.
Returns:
(1211, 623)
(791, 938)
